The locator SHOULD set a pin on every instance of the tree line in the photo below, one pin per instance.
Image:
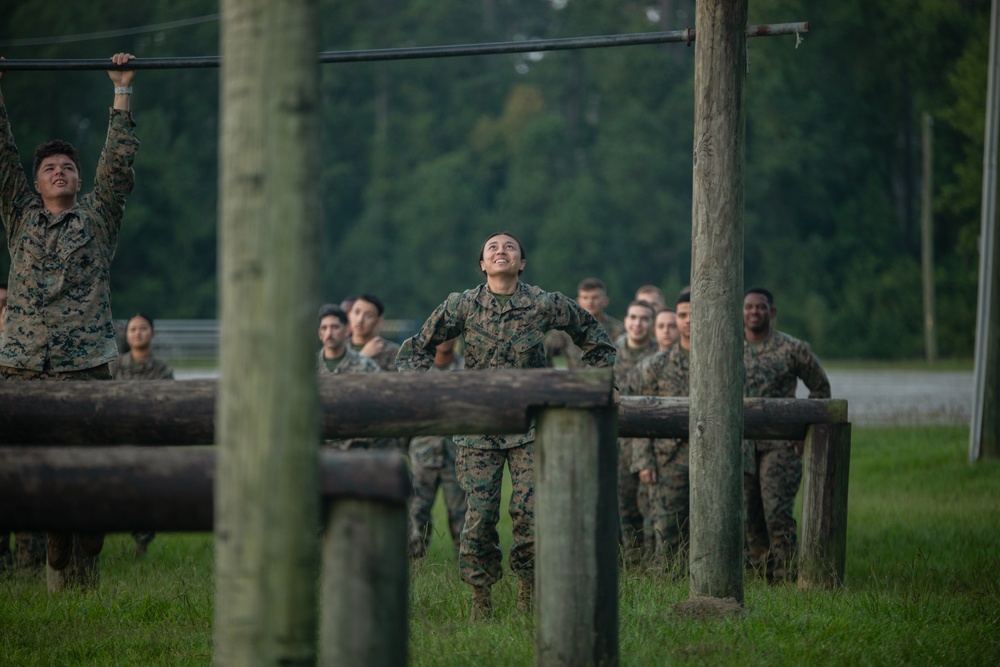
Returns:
(585, 155)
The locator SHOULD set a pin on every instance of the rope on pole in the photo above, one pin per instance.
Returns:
(412, 53)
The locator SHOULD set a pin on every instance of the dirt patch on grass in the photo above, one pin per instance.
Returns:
(701, 608)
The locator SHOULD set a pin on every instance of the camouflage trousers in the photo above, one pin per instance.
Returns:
(28, 551)
(432, 465)
(630, 515)
(76, 554)
(769, 503)
(670, 500)
(480, 473)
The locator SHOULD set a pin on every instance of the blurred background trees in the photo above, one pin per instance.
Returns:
(585, 155)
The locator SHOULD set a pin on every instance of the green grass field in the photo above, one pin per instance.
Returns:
(922, 588)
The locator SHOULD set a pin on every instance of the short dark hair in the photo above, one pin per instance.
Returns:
(332, 310)
(143, 316)
(54, 147)
(684, 296)
(644, 304)
(763, 292)
(520, 246)
(373, 300)
(590, 284)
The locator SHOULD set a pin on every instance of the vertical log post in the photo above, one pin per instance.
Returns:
(364, 584)
(267, 498)
(716, 383)
(576, 538)
(823, 538)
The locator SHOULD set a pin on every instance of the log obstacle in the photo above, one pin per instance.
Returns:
(112, 425)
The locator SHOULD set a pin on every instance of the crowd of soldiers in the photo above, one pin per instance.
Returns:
(57, 326)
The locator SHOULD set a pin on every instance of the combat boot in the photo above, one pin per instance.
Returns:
(482, 603)
(525, 594)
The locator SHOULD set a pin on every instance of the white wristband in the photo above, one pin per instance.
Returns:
(123, 91)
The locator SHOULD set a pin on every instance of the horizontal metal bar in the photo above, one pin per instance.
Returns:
(411, 53)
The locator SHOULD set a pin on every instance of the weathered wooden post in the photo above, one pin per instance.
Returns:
(365, 569)
(267, 499)
(823, 538)
(716, 384)
(576, 537)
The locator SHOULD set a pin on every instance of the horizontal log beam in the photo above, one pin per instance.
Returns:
(763, 418)
(390, 404)
(161, 488)
(381, 404)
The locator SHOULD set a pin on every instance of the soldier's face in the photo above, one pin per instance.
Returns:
(333, 333)
(139, 333)
(684, 323)
(501, 257)
(638, 322)
(593, 301)
(364, 319)
(666, 329)
(757, 313)
(57, 178)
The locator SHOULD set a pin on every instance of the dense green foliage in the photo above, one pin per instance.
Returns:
(586, 155)
(923, 544)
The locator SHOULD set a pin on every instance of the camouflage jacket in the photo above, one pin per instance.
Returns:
(627, 357)
(59, 309)
(386, 359)
(773, 369)
(351, 363)
(662, 374)
(127, 368)
(505, 337)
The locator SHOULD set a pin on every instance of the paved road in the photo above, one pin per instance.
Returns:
(877, 397)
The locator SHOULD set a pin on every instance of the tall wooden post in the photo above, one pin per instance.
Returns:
(716, 385)
(927, 238)
(823, 538)
(576, 538)
(267, 499)
(984, 440)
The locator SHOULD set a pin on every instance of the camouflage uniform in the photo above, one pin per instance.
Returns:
(386, 359)
(665, 374)
(59, 298)
(432, 464)
(58, 323)
(559, 344)
(352, 362)
(501, 337)
(633, 497)
(773, 468)
(127, 368)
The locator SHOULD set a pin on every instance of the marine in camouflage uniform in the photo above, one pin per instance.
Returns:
(58, 322)
(633, 497)
(333, 333)
(148, 367)
(774, 362)
(366, 318)
(432, 465)
(504, 323)
(663, 463)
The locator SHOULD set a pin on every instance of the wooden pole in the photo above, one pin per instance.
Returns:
(716, 384)
(984, 441)
(927, 238)
(267, 500)
(576, 538)
(823, 543)
(364, 584)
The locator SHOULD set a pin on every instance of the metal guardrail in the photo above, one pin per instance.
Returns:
(198, 340)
